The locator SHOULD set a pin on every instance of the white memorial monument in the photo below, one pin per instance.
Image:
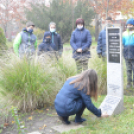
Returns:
(113, 103)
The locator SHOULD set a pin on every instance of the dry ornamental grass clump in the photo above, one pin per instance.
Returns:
(29, 84)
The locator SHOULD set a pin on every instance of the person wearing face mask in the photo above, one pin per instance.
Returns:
(101, 44)
(25, 43)
(55, 45)
(45, 46)
(80, 42)
(128, 51)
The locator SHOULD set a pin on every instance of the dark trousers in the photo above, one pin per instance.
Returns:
(81, 64)
(78, 111)
(130, 69)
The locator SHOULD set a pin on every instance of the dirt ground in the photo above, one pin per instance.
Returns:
(39, 120)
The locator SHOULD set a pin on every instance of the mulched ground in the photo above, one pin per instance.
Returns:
(39, 120)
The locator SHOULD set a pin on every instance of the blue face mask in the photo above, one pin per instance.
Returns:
(30, 30)
(52, 30)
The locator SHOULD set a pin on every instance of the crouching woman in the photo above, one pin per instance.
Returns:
(75, 96)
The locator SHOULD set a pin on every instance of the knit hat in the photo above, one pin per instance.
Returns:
(130, 21)
(47, 34)
(30, 23)
(79, 21)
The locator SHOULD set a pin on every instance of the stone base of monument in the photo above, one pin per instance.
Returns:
(112, 105)
(65, 128)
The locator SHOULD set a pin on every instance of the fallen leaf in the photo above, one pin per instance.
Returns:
(43, 127)
(13, 122)
(6, 124)
(30, 118)
(32, 113)
(54, 113)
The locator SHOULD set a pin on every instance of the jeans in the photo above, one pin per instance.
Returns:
(130, 69)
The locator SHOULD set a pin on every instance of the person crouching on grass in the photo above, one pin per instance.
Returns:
(75, 96)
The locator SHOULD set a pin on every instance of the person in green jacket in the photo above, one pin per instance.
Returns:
(25, 43)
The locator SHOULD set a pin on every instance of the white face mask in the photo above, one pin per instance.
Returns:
(79, 27)
(52, 30)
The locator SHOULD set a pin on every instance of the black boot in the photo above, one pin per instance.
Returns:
(64, 120)
(129, 85)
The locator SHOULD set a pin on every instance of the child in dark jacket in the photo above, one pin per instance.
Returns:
(45, 46)
(75, 96)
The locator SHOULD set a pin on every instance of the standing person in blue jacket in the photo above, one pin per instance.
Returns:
(101, 46)
(128, 51)
(25, 43)
(55, 44)
(75, 96)
(80, 42)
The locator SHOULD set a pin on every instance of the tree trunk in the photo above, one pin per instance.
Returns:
(97, 29)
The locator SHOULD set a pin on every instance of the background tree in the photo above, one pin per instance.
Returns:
(104, 8)
(11, 11)
(63, 13)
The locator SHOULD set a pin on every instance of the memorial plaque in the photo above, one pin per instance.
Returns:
(113, 45)
(113, 103)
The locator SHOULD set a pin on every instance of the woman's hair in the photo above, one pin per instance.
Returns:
(80, 21)
(87, 81)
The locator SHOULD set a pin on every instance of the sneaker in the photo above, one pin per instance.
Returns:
(79, 120)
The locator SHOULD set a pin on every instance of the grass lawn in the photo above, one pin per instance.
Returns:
(117, 124)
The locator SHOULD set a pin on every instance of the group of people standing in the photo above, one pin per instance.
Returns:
(25, 43)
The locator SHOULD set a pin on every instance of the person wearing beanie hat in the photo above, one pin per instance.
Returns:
(128, 51)
(80, 42)
(46, 45)
(25, 43)
(54, 46)
(101, 44)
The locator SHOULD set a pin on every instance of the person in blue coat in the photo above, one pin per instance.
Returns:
(54, 45)
(80, 42)
(75, 96)
(128, 51)
(101, 45)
